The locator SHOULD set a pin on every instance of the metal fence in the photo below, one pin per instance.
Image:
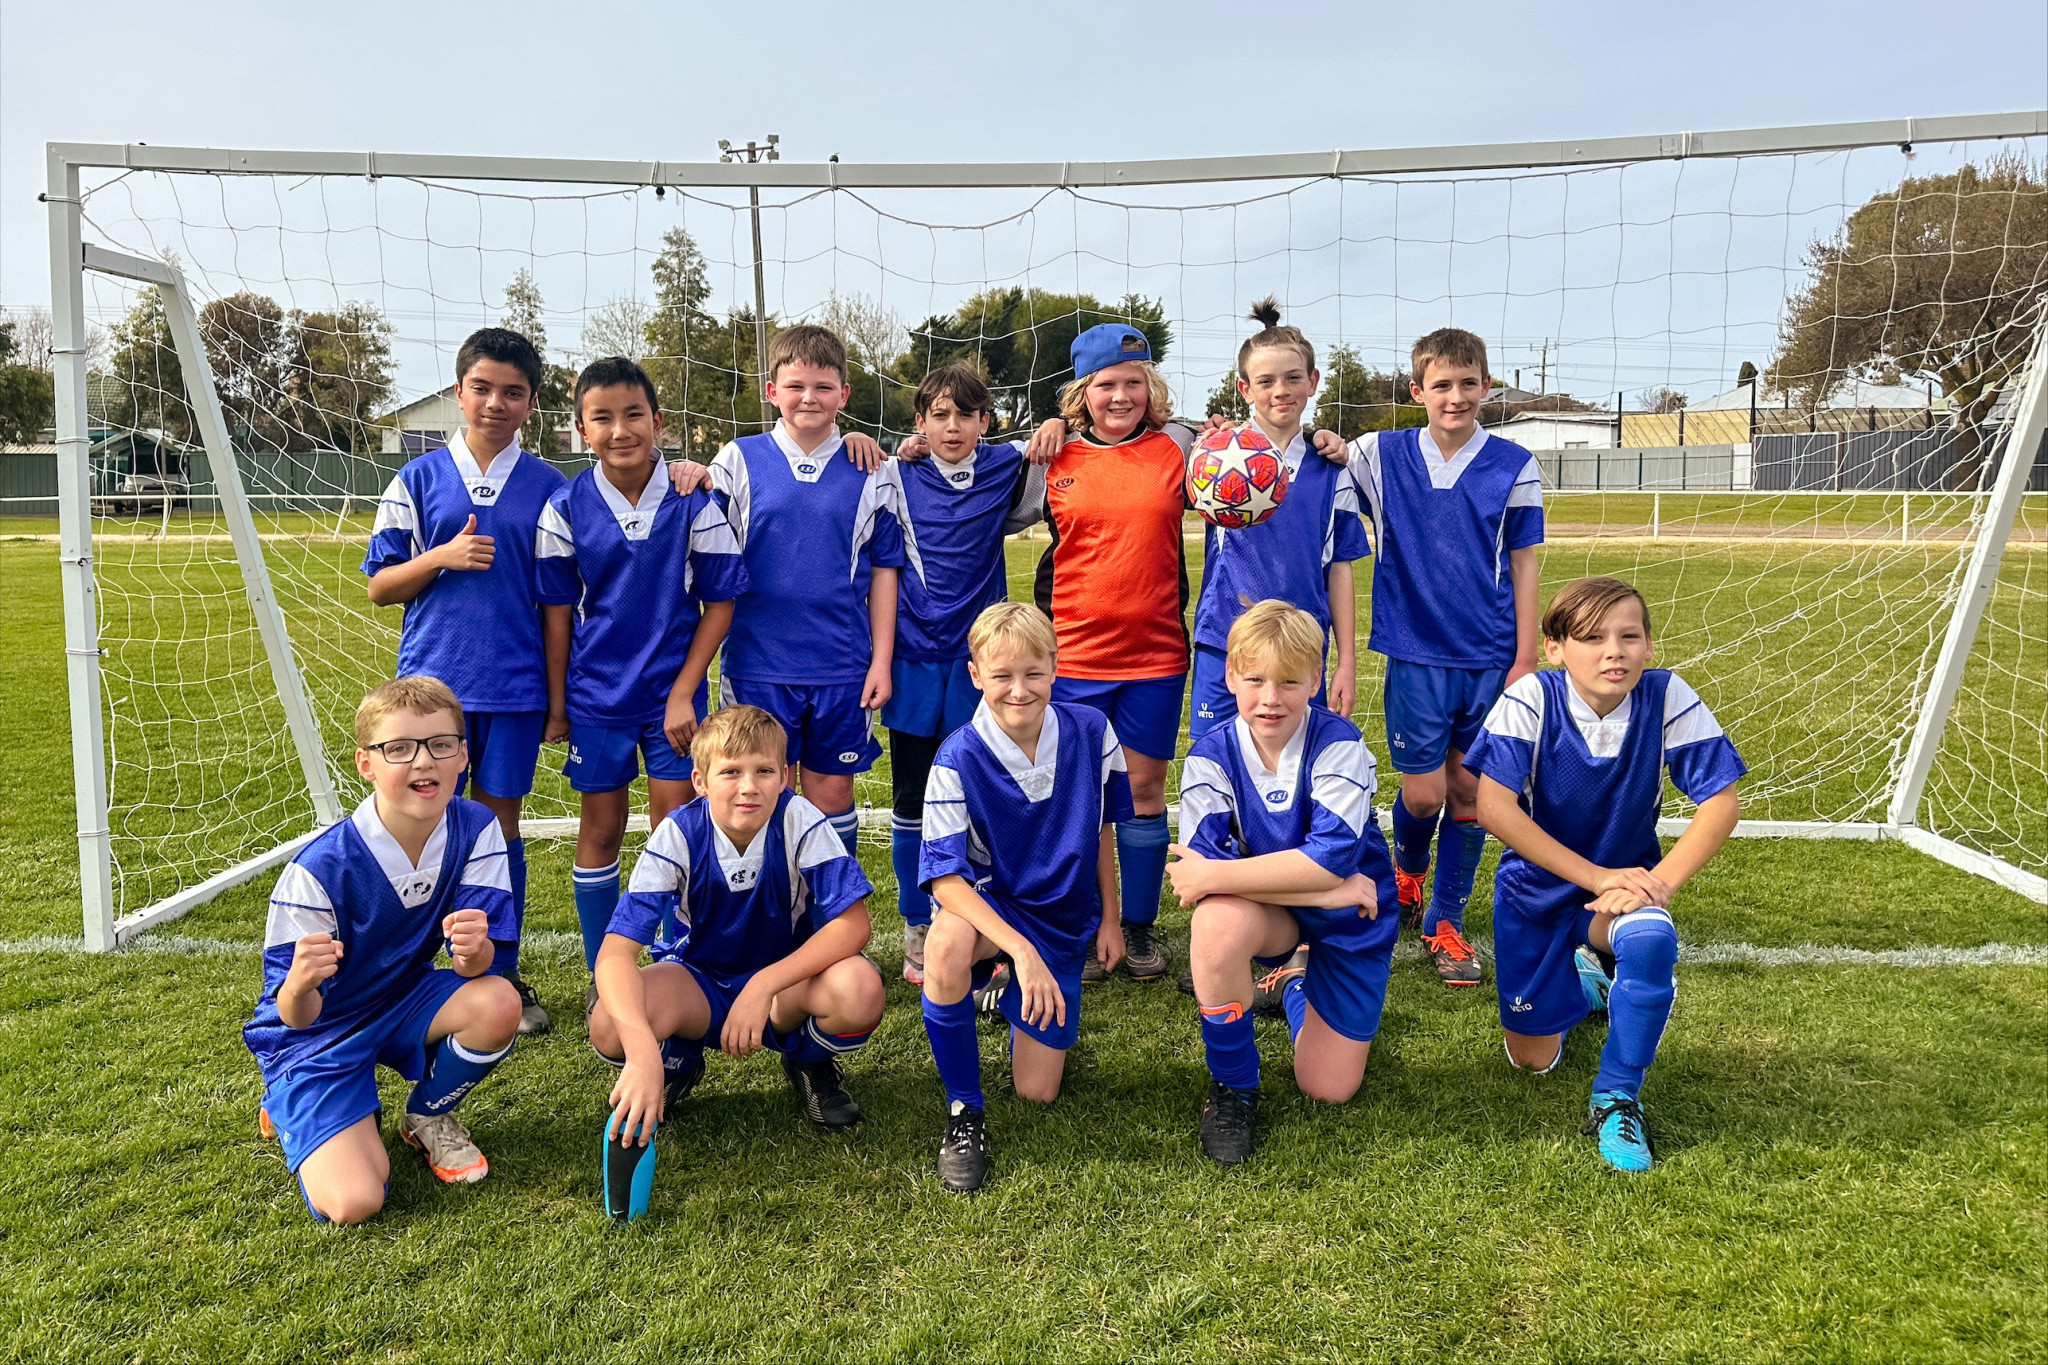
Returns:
(1870, 461)
(1649, 468)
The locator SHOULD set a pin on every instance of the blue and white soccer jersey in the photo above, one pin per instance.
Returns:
(957, 516)
(477, 630)
(356, 883)
(736, 912)
(1595, 785)
(637, 573)
(1443, 598)
(1027, 836)
(812, 529)
(1286, 558)
(1318, 800)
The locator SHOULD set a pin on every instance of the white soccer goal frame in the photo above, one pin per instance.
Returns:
(71, 257)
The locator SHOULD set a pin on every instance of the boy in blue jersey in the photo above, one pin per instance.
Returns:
(349, 977)
(1278, 847)
(957, 508)
(637, 582)
(1457, 515)
(1571, 766)
(813, 637)
(1301, 554)
(1019, 852)
(453, 542)
(770, 916)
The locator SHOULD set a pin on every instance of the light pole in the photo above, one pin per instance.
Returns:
(755, 152)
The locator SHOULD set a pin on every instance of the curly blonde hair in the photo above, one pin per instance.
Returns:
(1074, 400)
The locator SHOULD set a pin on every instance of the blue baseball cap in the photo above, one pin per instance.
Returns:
(1107, 344)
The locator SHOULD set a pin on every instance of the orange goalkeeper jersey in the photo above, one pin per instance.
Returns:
(1115, 579)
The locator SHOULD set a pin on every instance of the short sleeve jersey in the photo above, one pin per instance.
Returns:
(1442, 532)
(812, 529)
(1114, 580)
(1318, 799)
(637, 574)
(956, 515)
(1593, 783)
(1287, 556)
(1026, 833)
(478, 630)
(736, 911)
(354, 881)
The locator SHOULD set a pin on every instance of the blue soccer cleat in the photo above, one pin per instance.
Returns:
(628, 1173)
(1593, 979)
(1617, 1121)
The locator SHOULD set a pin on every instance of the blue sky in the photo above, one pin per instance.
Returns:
(1048, 81)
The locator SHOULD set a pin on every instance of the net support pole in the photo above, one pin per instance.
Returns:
(234, 503)
(2023, 437)
(74, 520)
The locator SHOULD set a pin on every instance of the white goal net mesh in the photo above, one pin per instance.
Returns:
(1775, 419)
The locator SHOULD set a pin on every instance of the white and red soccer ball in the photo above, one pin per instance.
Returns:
(1236, 478)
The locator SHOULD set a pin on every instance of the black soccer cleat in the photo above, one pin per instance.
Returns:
(963, 1152)
(677, 1086)
(1227, 1123)
(821, 1089)
(1144, 960)
(533, 1016)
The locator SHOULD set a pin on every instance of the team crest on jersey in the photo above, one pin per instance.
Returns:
(483, 492)
(740, 878)
(415, 890)
(959, 477)
(1276, 797)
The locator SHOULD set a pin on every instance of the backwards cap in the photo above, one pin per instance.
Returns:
(1107, 344)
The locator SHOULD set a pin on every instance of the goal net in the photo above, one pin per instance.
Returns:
(1781, 391)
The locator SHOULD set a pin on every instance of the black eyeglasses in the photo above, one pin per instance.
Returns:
(402, 751)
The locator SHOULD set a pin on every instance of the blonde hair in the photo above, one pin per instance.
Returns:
(1277, 632)
(416, 696)
(1018, 625)
(1581, 605)
(738, 731)
(1074, 400)
(1448, 346)
(1274, 337)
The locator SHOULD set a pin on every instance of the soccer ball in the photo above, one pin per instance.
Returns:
(1236, 478)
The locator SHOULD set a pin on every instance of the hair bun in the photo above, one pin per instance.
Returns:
(1266, 312)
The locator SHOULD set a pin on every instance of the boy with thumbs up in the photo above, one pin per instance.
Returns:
(453, 542)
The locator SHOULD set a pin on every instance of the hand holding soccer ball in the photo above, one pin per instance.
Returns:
(1235, 477)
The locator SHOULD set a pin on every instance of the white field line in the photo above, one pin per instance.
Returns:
(555, 943)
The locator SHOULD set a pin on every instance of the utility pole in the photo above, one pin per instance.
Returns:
(752, 153)
(1543, 368)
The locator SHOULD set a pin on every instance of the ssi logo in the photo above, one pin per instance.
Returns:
(740, 878)
(1276, 797)
(807, 469)
(960, 477)
(1067, 482)
(849, 757)
(483, 492)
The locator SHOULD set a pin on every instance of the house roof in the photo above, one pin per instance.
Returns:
(397, 416)
(1850, 393)
(1604, 419)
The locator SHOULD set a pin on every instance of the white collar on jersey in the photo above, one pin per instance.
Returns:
(414, 885)
(1603, 734)
(635, 519)
(807, 468)
(1033, 779)
(742, 871)
(1444, 473)
(483, 488)
(1276, 786)
(1294, 452)
(956, 476)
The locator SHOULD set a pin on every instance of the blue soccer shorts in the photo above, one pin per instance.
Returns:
(504, 750)
(1066, 971)
(1533, 946)
(1210, 703)
(1350, 957)
(1433, 712)
(604, 758)
(720, 992)
(932, 697)
(829, 732)
(314, 1096)
(1145, 712)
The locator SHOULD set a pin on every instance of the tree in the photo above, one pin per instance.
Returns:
(1227, 400)
(1355, 398)
(692, 356)
(1937, 278)
(1660, 400)
(149, 383)
(617, 327)
(249, 346)
(34, 335)
(28, 398)
(523, 309)
(340, 374)
(873, 333)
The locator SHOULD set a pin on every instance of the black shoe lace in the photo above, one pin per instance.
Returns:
(527, 994)
(1137, 940)
(965, 1132)
(1231, 1110)
(1628, 1110)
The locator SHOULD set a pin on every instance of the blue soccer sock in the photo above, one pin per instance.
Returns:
(1141, 860)
(954, 1048)
(906, 848)
(1232, 1048)
(1460, 845)
(1639, 1005)
(505, 961)
(452, 1072)
(1294, 1000)
(678, 1055)
(812, 1044)
(597, 896)
(1412, 834)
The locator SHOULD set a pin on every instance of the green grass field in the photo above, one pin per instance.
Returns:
(1854, 1157)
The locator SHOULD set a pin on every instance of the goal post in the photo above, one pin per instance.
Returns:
(269, 310)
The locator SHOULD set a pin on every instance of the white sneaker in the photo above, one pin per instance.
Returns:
(913, 952)
(446, 1143)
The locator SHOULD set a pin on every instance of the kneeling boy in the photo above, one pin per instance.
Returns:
(1020, 855)
(771, 920)
(1571, 765)
(349, 981)
(1279, 847)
